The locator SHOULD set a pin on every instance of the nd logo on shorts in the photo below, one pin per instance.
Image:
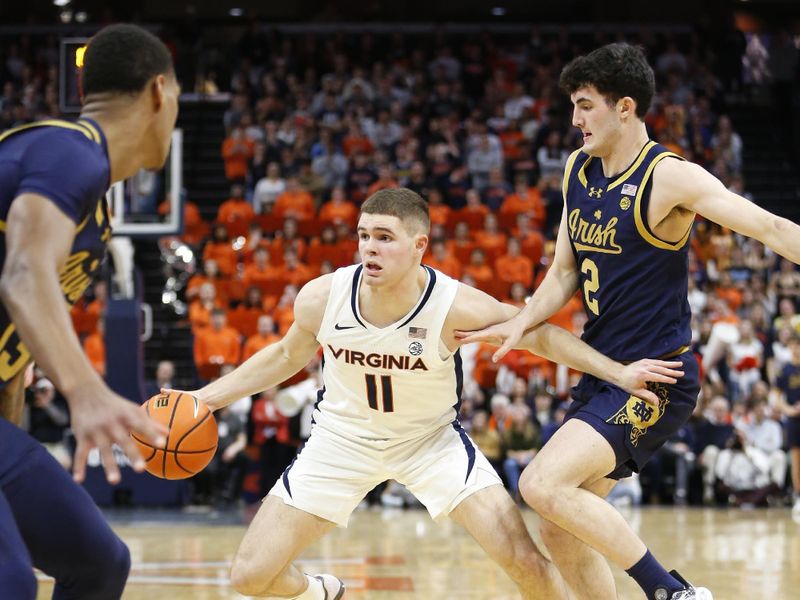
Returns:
(639, 414)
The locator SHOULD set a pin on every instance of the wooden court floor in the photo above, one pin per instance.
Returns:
(403, 555)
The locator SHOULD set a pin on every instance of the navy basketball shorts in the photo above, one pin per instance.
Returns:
(634, 428)
(793, 432)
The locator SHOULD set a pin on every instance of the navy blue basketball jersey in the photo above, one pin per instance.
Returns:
(67, 163)
(633, 284)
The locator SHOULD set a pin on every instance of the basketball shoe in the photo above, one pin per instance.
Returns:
(331, 585)
(689, 592)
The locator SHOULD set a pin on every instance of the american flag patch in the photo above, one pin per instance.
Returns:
(419, 333)
(628, 189)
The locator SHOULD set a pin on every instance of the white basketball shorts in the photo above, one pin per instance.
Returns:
(332, 474)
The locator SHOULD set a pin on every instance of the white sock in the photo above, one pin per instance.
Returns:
(314, 591)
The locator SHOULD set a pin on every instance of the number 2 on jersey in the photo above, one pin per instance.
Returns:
(591, 285)
(386, 392)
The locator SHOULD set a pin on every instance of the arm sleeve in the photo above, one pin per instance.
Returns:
(67, 171)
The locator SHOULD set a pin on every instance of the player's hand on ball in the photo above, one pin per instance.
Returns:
(634, 377)
(100, 419)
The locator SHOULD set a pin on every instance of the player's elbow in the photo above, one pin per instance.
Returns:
(16, 273)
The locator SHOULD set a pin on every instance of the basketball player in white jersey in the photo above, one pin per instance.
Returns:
(389, 406)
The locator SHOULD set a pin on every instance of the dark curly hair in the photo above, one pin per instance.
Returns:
(122, 59)
(616, 71)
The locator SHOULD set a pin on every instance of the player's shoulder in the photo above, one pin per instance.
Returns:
(681, 177)
(311, 301)
(72, 148)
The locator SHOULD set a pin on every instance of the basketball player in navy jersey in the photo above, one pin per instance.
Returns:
(388, 409)
(54, 226)
(623, 242)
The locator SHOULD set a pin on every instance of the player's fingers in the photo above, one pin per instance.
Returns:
(109, 462)
(147, 428)
(79, 460)
(133, 453)
(659, 378)
(669, 364)
(502, 351)
(647, 396)
(665, 371)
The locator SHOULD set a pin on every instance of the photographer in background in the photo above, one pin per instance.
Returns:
(47, 419)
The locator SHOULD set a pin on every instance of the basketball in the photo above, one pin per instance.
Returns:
(191, 439)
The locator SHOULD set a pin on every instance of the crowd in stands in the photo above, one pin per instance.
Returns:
(478, 127)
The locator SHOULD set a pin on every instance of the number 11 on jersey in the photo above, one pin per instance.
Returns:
(386, 392)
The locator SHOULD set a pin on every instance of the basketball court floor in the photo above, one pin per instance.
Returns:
(403, 555)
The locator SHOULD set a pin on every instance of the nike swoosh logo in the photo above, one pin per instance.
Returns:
(338, 327)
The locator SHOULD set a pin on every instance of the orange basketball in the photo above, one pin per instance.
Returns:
(191, 436)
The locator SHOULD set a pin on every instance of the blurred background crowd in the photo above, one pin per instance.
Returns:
(307, 124)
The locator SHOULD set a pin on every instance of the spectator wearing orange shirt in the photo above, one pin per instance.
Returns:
(531, 240)
(517, 295)
(295, 201)
(97, 307)
(442, 260)
(480, 272)
(215, 346)
(288, 237)
(195, 229)
(338, 209)
(264, 336)
(263, 275)
(512, 267)
(728, 291)
(95, 348)
(490, 238)
(474, 213)
(219, 249)
(385, 180)
(511, 140)
(283, 314)
(237, 150)
(200, 310)
(210, 275)
(294, 272)
(462, 244)
(324, 248)
(355, 142)
(236, 213)
(439, 212)
(564, 317)
(348, 245)
(245, 316)
(525, 199)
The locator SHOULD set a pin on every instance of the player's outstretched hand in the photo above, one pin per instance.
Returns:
(634, 377)
(101, 418)
(506, 335)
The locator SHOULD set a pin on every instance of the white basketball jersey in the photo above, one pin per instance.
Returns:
(391, 383)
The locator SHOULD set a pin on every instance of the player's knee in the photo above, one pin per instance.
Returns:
(118, 565)
(17, 580)
(104, 574)
(536, 492)
(248, 580)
